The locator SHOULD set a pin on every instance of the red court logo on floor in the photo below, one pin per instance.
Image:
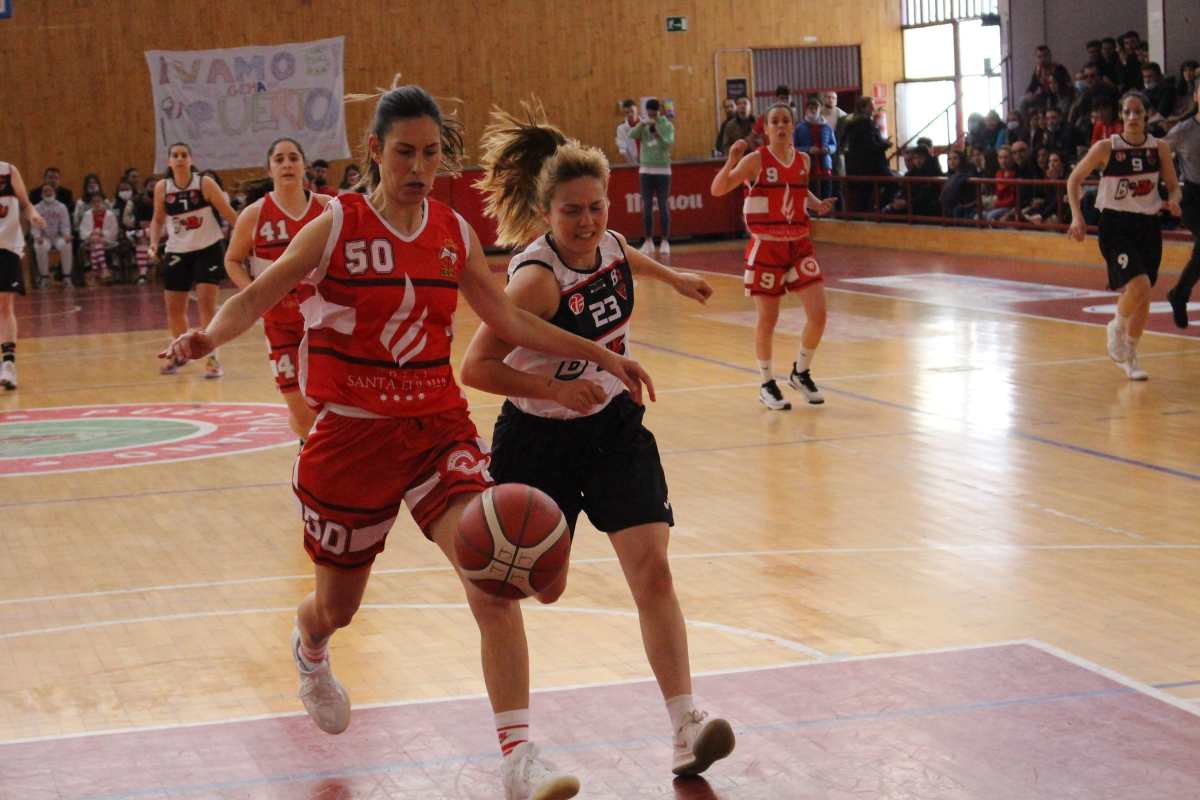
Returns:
(79, 438)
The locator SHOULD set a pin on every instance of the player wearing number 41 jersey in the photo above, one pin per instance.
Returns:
(263, 231)
(779, 257)
(386, 271)
(1131, 164)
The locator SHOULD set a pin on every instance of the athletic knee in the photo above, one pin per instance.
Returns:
(336, 615)
(652, 581)
(490, 610)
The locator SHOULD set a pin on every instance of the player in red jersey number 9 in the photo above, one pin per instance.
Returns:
(387, 269)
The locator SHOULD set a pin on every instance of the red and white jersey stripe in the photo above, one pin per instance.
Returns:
(774, 206)
(273, 232)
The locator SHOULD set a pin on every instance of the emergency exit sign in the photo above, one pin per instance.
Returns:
(676, 24)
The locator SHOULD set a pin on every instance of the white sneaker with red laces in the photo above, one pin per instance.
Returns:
(700, 741)
(528, 776)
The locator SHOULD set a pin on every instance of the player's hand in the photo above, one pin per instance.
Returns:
(630, 373)
(692, 286)
(1172, 208)
(825, 206)
(152, 254)
(581, 396)
(189, 346)
(36, 219)
(1078, 230)
(737, 150)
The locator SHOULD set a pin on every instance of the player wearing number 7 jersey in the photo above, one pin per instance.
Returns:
(779, 257)
(386, 271)
(1130, 233)
(262, 232)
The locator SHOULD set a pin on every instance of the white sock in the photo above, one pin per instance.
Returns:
(512, 729)
(764, 370)
(804, 359)
(679, 707)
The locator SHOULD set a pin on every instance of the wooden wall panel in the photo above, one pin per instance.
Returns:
(76, 93)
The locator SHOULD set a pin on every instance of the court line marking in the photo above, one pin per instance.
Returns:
(1174, 472)
(1078, 661)
(952, 549)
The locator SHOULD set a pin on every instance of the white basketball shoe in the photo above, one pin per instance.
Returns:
(528, 776)
(700, 741)
(8, 375)
(324, 697)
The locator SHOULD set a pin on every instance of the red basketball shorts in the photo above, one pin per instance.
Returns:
(773, 268)
(283, 348)
(353, 474)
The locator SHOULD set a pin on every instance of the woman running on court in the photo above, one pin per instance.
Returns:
(779, 257)
(569, 427)
(189, 204)
(386, 270)
(262, 232)
(1130, 165)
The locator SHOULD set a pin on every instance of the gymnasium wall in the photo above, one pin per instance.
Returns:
(76, 92)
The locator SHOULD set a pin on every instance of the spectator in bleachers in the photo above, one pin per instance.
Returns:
(98, 232)
(1160, 92)
(1061, 95)
(957, 197)
(1185, 88)
(1131, 69)
(1005, 204)
(91, 187)
(55, 236)
(1104, 120)
(53, 176)
(740, 127)
(995, 133)
(1110, 62)
(627, 147)
(977, 138)
(1092, 48)
(1042, 159)
(1060, 137)
(866, 155)
(835, 118)
(1016, 129)
(1025, 168)
(125, 248)
(783, 95)
(919, 163)
(1048, 205)
(1039, 83)
(351, 175)
(131, 176)
(729, 106)
(320, 178)
(814, 136)
(136, 219)
(1095, 90)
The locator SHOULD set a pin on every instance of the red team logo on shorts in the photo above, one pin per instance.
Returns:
(467, 463)
(809, 266)
(576, 304)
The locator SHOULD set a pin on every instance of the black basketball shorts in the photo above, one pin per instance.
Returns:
(10, 273)
(1132, 246)
(605, 464)
(182, 271)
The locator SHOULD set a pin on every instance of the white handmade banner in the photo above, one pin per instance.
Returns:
(229, 105)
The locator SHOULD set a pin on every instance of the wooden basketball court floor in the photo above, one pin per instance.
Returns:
(972, 573)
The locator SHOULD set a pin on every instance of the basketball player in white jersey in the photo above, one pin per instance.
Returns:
(569, 428)
(189, 203)
(13, 200)
(1130, 164)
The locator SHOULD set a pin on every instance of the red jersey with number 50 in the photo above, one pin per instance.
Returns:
(272, 235)
(379, 325)
(774, 205)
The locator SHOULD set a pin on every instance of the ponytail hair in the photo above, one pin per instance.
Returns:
(524, 161)
(409, 101)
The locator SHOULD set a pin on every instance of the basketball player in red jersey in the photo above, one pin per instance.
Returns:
(569, 428)
(261, 234)
(779, 257)
(387, 269)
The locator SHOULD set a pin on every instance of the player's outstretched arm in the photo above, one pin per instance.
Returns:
(534, 290)
(687, 284)
(241, 311)
(518, 327)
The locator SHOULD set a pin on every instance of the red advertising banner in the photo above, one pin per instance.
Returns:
(694, 211)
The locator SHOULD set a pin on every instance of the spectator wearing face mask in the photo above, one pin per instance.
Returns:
(814, 136)
(55, 236)
(1161, 93)
(1015, 130)
(1094, 91)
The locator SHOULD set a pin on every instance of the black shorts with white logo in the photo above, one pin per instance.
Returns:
(605, 464)
(11, 280)
(182, 271)
(1132, 246)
